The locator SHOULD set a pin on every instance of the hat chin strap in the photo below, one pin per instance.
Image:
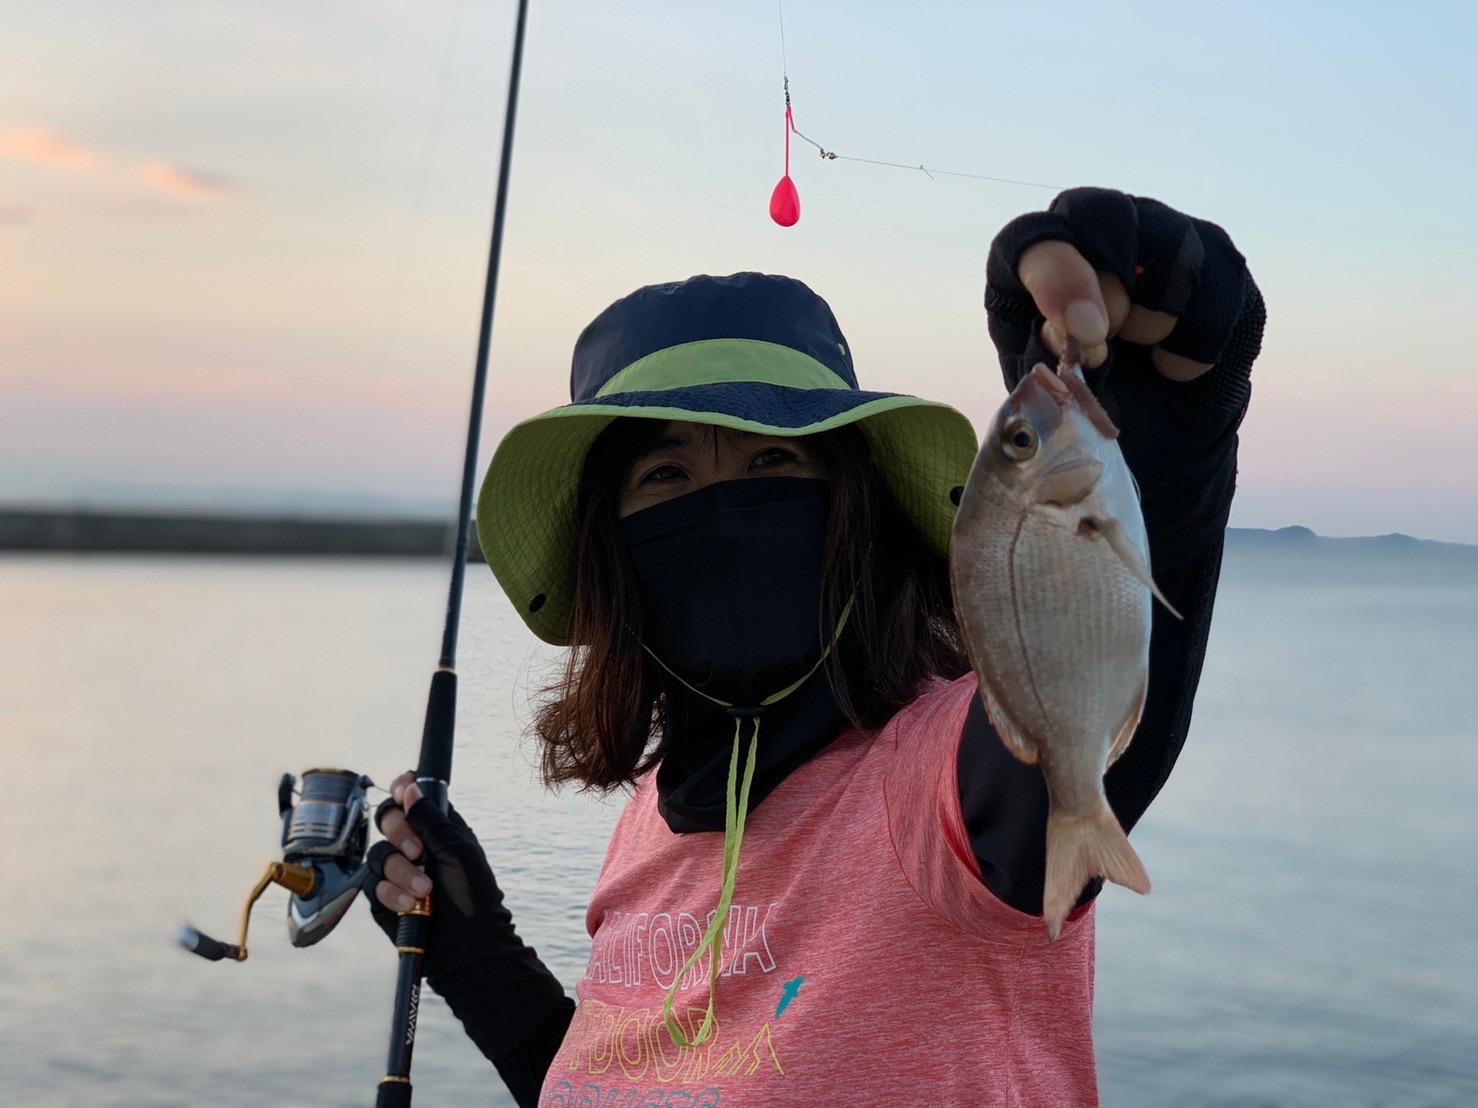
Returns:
(736, 809)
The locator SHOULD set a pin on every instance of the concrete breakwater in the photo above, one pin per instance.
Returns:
(163, 533)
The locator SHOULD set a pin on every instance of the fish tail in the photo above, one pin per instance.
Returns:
(1080, 848)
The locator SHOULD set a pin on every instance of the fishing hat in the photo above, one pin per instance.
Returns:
(749, 351)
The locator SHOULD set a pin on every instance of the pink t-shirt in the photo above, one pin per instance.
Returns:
(864, 962)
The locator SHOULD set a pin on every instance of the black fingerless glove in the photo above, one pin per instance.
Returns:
(1179, 438)
(494, 984)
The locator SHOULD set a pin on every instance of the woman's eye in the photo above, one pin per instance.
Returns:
(774, 456)
(663, 473)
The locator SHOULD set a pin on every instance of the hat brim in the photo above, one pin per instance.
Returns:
(526, 509)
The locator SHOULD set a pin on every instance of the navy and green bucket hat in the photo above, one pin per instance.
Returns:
(750, 351)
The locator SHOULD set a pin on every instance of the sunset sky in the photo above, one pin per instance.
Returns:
(241, 245)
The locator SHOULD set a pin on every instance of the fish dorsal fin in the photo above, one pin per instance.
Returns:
(1113, 533)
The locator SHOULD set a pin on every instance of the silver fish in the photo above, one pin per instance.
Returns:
(1049, 564)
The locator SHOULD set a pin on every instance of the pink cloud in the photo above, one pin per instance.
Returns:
(39, 146)
(44, 147)
(185, 183)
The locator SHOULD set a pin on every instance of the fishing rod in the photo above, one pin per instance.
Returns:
(434, 766)
(325, 833)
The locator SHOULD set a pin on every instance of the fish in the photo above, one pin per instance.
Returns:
(1050, 572)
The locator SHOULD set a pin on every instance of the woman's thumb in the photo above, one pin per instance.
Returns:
(407, 794)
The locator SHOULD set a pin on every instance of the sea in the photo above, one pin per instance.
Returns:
(1309, 940)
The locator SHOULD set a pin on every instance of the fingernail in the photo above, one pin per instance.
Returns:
(410, 848)
(404, 902)
(420, 885)
(1086, 322)
(1052, 336)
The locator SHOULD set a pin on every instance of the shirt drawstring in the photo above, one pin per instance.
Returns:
(736, 809)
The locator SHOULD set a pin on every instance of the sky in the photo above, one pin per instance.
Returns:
(242, 245)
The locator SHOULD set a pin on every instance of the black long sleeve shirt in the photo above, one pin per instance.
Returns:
(1180, 441)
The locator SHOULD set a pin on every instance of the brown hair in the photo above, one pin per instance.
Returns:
(598, 722)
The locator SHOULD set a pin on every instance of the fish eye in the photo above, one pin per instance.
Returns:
(1018, 439)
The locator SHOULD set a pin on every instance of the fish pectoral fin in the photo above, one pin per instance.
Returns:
(1130, 724)
(1134, 562)
(1020, 747)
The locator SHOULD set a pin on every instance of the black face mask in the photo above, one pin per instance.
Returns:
(730, 580)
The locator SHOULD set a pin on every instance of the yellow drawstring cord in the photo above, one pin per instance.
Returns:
(736, 809)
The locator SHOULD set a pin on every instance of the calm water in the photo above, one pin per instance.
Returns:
(1309, 940)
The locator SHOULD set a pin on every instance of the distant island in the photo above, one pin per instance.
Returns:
(117, 532)
(1286, 539)
(1293, 554)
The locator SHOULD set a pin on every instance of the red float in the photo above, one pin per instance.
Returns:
(785, 201)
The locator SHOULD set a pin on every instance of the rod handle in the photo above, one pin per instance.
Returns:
(411, 936)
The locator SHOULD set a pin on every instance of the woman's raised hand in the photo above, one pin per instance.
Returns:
(1101, 265)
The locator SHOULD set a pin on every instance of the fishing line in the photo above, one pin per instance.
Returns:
(784, 68)
(928, 171)
(785, 201)
(407, 257)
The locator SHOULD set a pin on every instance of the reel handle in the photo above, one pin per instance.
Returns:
(296, 879)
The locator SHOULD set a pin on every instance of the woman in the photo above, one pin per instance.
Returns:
(748, 554)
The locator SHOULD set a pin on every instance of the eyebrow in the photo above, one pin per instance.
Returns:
(664, 442)
(680, 441)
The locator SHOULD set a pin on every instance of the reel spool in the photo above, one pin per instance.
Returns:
(324, 836)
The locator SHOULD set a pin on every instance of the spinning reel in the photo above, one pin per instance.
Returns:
(324, 836)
